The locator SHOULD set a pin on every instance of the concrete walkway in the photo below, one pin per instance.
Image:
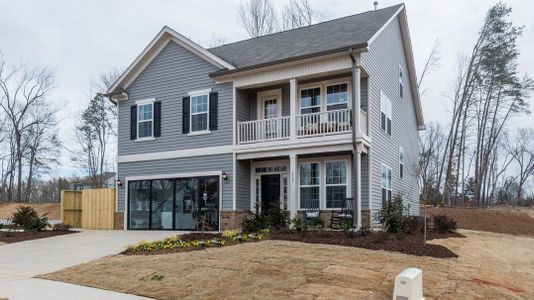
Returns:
(20, 262)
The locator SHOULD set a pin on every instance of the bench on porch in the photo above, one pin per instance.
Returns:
(347, 211)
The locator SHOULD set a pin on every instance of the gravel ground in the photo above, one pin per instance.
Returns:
(490, 266)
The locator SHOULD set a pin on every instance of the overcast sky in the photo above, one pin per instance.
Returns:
(80, 39)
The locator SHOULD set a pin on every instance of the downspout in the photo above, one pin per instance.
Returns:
(355, 130)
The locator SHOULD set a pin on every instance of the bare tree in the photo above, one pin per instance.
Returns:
(522, 151)
(300, 13)
(97, 128)
(257, 17)
(24, 96)
(431, 63)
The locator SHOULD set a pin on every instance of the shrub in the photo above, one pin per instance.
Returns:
(317, 222)
(253, 222)
(414, 224)
(444, 224)
(27, 217)
(345, 224)
(277, 218)
(297, 224)
(392, 215)
(61, 227)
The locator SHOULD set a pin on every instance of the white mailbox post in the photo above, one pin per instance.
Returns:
(409, 285)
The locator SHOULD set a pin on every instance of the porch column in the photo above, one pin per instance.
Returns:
(293, 108)
(292, 199)
(358, 184)
(356, 75)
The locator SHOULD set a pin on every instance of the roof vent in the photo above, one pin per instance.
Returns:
(375, 4)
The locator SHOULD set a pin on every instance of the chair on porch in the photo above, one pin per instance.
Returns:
(347, 211)
(310, 210)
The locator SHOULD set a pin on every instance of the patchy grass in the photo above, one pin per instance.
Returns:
(502, 220)
(489, 266)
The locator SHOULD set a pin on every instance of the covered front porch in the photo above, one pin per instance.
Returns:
(320, 182)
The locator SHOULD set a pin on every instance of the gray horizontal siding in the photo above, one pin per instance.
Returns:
(169, 77)
(382, 64)
(175, 166)
(365, 181)
(243, 185)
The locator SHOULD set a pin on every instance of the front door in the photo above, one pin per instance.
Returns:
(270, 192)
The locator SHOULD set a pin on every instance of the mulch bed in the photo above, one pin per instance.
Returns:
(492, 220)
(13, 237)
(404, 243)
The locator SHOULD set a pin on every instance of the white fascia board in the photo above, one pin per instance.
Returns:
(152, 50)
(175, 154)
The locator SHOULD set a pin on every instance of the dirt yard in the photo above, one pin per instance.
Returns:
(503, 220)
(490, 266)
(52, 209)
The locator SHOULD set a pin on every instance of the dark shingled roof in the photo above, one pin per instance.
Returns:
(330, 36)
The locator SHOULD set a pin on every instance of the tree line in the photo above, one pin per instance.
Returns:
(477, 157)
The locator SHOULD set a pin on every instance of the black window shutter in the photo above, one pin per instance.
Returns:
(185, 114)
(214, 99)
(133, 122)
(157, 119)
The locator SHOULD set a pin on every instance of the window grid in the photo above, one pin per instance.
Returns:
(145, 117)
(401, 162)
(310, 185)
(385, 182)
(199, 112)
(336, 183)
(310, 100)
(337, 96)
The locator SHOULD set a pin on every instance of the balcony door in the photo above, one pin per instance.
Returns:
(270, 110)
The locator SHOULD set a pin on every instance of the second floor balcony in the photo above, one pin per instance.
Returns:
(313, 124)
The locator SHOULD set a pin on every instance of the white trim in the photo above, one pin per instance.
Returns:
(323, 84)
(145, 101)
(154, 48)
(175, 154)
(322, 184)
(171, 176)
(202, 132)
(145, 139)
(199, 92)
(263, 96)
(372, 39)
(254, 176)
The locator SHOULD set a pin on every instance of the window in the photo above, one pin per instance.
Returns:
(310, 185)
(199, 112)
(385, 183)
(337, 96)
(401, 162)
(336, 184)
(145, 120)
(385, 113)
(401, 88)
(310, 100)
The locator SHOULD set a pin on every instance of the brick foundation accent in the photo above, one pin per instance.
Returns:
(231, 220)
(366, 218)
(119, 221)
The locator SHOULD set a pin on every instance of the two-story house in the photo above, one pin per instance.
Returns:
(306, 117)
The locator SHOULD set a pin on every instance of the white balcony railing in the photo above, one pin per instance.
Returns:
(307, 125)
(324, 123)
(263, 130)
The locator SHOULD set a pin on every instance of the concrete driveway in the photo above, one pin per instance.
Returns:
(20, 262)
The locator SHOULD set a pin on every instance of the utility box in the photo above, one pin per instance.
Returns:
(409, 285)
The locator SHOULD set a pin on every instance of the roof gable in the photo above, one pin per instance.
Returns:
(155, 47)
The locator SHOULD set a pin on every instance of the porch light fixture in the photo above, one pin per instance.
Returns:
(119, 183)
(224, 176)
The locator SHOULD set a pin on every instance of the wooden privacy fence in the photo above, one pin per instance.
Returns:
(71, 208)
(89, 209)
